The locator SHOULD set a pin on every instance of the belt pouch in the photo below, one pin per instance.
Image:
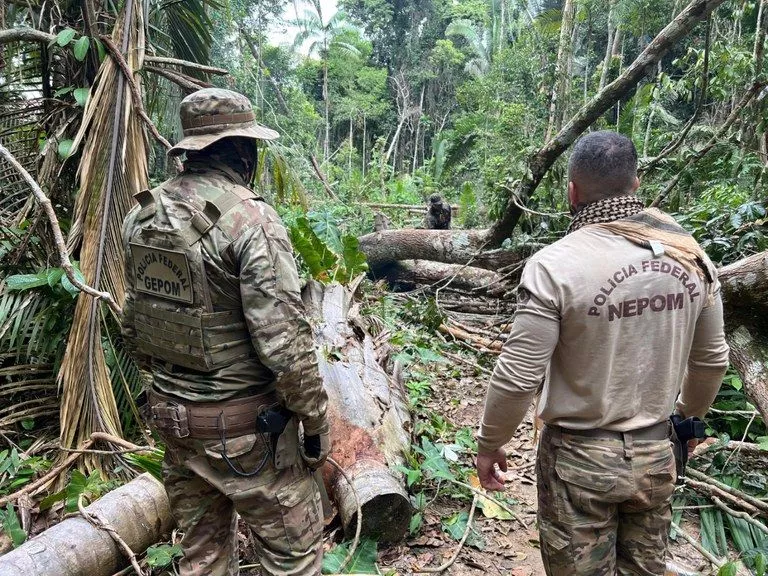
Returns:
(171, 419)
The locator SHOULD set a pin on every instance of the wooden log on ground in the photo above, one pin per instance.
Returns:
(138, 511)
(448, 246)
(745, 298)
(455, 276)
(369, 420)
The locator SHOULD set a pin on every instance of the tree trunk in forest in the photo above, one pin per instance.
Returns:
(326, 101)
(368, 417)
(561, 78)
(449, 246)
(745, 297)
(456, 276)
(138, 511)
(608, 47)
(540, 162)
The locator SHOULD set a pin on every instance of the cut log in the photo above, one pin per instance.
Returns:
(448, 246)
(445, 275)
(745, 298)
(138, 511)
(368, 416)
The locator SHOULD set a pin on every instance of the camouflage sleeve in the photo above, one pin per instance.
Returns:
(280, 332)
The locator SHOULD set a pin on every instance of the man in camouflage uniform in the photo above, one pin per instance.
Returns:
(213, 309)
(625, 315)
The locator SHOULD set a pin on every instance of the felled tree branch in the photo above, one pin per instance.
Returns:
(186, 64)
(58, 238)
(135, 96)
(541, 161)
(187, 83)
(25, 35)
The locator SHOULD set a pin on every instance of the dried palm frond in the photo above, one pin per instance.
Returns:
(113, 167)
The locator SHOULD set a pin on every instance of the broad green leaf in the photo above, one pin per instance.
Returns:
(729, 569)
(101, 49)
(415, 524)
(760, 564)
(71, 288)
(362, 562)
(81, 48)
(353, 259)
(51, 499)
(54, 276)
(162, 555)
(64, 147)
(65, 37)
(324, 225)
(316, 255)
(456, 525)
(81, 96)
(26, 281)
(12, 526)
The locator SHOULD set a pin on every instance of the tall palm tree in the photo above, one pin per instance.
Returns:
(323, 35)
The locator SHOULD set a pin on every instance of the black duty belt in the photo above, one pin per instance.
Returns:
(658, 431)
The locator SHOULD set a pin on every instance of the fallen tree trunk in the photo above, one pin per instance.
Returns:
(368, 416)
(448, 246)
(138, 511)
(444, 275)
(745, 298)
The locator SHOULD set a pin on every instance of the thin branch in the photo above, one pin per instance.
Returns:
(739, 514)
(714, 560)
(25, 35)
(187, 83)
(675, 144)
(135, 96)
(186, 64)
(58, 238)
(482, 493)
(443, 567)
(96, 522)
(734, 115)
(33, 487)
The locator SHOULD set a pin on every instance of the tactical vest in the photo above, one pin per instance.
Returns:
(174, 318)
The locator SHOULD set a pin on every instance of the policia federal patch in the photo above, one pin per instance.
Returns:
(161, 272)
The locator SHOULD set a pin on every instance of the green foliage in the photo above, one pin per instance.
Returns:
(328, 255)
(363, 561)
(152, 463)
(80, 49)
(456, 524)
(89, 487)
(163, 555)
(10, 524)
(17, 470)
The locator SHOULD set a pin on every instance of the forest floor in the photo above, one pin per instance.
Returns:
(507, 548)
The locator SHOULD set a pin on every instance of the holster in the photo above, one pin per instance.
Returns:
(283, 430)
(682, 431)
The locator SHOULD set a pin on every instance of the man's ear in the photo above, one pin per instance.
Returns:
(573, 194)
(635, 185)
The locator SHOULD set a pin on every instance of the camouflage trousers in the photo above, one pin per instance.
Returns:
(604, 504)
(282, 507)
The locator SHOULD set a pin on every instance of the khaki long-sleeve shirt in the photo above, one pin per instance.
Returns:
(625, 337)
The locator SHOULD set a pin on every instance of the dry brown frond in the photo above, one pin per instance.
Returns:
(113, 167)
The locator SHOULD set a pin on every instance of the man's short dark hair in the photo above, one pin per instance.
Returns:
(603, 164)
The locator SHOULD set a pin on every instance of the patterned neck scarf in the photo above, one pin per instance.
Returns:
(606, 210)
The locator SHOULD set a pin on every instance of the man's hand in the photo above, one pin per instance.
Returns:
(316, 449)
(490, 478)
(692, 443)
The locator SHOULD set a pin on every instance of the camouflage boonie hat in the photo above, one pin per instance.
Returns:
(211, 114)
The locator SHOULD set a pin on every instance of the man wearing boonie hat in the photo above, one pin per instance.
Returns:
(213, 310)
